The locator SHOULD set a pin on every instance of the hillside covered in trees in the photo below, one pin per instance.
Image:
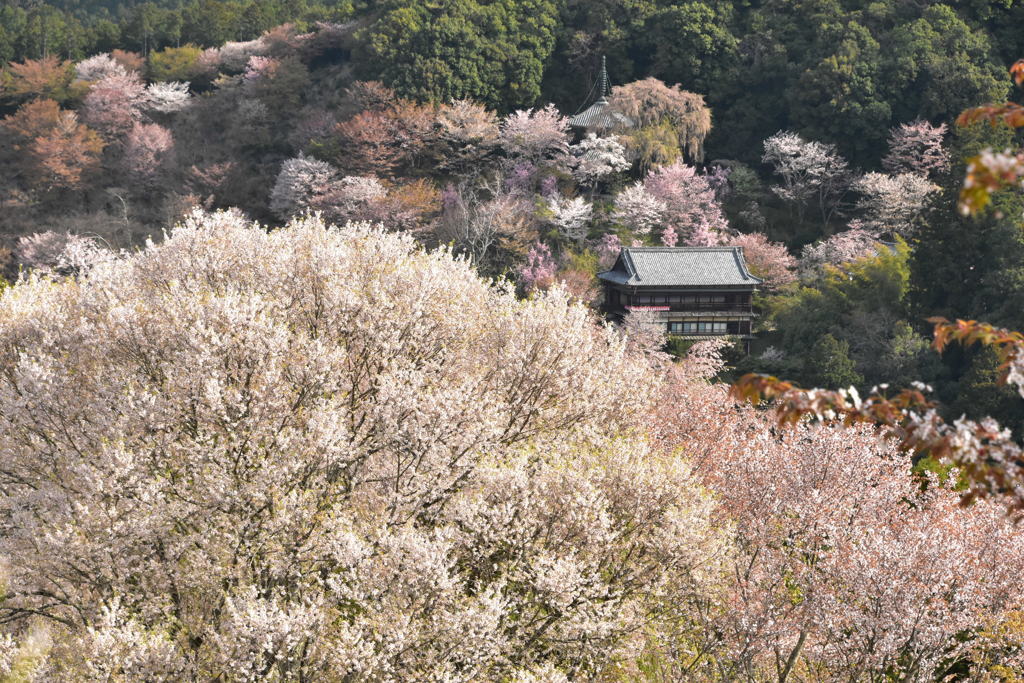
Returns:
(303, 374)
(804, 132)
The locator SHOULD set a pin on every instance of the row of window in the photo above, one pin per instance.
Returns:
(695, 327)
(679, 299)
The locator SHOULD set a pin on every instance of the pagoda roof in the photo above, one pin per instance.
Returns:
(680, 267)
(599, 115)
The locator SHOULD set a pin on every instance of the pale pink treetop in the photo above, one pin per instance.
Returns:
(536, 135)
(539, 270)
(608, 250)
(145, 147)
(842, 565)
(114, 103)
(98, 67)
(232, 57)
(638, 209)
(917, 147)
(770, 261)
(691, 208)
(258, 68)
(891, 203)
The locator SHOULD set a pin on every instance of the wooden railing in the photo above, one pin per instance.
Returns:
(691, 307)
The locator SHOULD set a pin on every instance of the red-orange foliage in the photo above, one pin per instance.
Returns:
(378, 142)
(49, 147)
(48, 77)
(371, 95)
(131, 61)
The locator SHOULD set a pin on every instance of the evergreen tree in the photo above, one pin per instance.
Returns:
(829, 364)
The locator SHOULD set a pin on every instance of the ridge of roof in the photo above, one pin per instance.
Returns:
(693, 266)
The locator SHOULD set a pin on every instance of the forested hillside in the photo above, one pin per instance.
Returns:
(304, 373)
(842, 72)
(805, 132)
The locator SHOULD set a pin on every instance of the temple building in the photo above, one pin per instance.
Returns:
(598, 118)
(695, 292)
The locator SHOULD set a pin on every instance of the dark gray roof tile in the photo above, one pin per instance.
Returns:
(680, 267)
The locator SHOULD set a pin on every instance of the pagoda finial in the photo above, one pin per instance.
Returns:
(602, 81)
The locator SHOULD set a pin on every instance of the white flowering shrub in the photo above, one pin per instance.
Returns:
(57, 253)
(167, 96)
(571, 216)
(324, 454)
(638, 209)
(98, 67)
(891, 203)
(597, 158)
(298, 183)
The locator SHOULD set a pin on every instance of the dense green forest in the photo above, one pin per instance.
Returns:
(840, 71)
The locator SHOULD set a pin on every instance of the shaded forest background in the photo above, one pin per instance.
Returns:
(836, 71)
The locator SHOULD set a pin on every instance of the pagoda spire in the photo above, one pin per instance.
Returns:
(602, 80)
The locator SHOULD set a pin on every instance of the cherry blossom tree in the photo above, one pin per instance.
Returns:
(691, 209)
(412, 206)
(638, 209)
(890, 204)
(98, 67)
(232, 57)
(646, 335)
(56, 253)
(850, 581)
(840, 248)
(571, 217)
(538, 272)
(608, 250)
(144, 149)
(466, 135)
(167, 96)
(539, 136)
(597, 158)
(114, 104)
(300, 180)
(333, 455)
(478, 219)
(916, 147)
(770, 261)
(378, 142)
(990, 462)
(349, 199)
(810, 172)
